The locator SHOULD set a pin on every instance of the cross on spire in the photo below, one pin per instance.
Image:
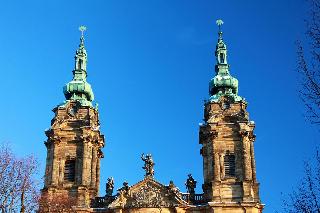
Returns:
(219, 22)
(82, 29)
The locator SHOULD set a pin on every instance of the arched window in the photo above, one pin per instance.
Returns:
(229, 165)
(70, 170)
(80, 63)
(221, 58)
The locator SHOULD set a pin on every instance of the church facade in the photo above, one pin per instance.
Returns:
(74, 149)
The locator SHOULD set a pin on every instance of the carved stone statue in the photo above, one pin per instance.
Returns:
(173, 188)
(109, 186)
(191, 184)
(171, 185)
(148, 165)
(125, 188)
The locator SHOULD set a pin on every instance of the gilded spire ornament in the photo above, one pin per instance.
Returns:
(219, 22)
(82, 29)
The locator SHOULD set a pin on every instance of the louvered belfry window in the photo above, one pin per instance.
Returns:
(69, 170)
(229, 165)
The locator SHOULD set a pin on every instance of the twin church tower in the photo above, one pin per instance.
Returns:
(74, 152)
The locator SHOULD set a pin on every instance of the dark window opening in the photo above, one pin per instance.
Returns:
(70, 170)
(229, 165)
(221, 58)
(225, 105)
(80, 64)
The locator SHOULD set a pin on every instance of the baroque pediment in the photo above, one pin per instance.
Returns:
(148, 193)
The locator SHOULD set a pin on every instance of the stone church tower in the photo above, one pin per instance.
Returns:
(74, 140)
(227, 140)
(74, 151)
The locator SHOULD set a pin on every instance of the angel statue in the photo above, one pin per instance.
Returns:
(148, 165)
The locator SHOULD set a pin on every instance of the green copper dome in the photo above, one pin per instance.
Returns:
(79, 89)
(222, 84)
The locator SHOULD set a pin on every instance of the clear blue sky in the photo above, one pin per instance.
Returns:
(149, 64)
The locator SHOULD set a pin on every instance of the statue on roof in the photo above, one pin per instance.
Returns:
(109, 186)
(148, 165)
(125, 187)
(191, 184)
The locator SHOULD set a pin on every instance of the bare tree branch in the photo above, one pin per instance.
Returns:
(308, 64)
(57, 203)
(18, 188)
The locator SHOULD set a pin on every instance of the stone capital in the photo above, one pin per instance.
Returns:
(100, 154)
(53, 139)
(244, 133)
(247, 135)
(252, 137)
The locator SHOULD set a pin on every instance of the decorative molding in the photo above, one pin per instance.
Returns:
(149, 194)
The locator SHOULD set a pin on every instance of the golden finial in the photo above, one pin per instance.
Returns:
(219, 22)
(82, 29)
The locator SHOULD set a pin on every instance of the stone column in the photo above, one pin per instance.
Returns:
(217, 169)
(61, 170)
(55, 165)
(84, 163)
(205, 163)
(221, 161)
(246, 155)
(210, 158)
(98, 174)
(49, 166)
(93, 167)
(253, 161)
(212, 154)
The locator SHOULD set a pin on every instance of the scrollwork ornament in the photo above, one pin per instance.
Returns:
(100, 154)
(244, 133)
(252, 137)
(148, 197)
(88, 138)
